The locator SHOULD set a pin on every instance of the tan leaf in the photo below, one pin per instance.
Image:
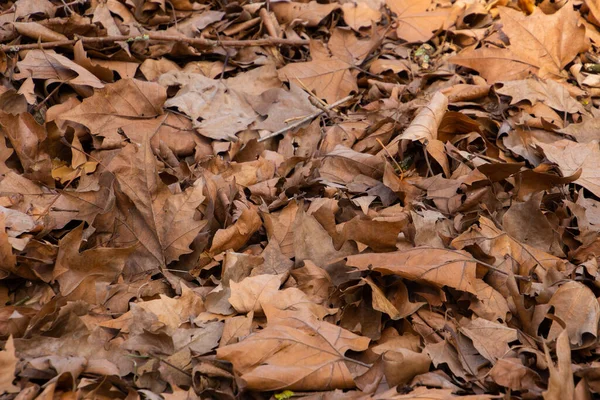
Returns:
(39, 32)
(330, 73)
(576, 305)
(8, 365)
(272, 353)
(175, 311)
(416, 23)
(584, 132)
(491, 339)
(549, 92)
(358, 14)
(72, 267)
(237, 234)
(119, 106)
(380, 301)
(496, 243)
(402, 365)
(247, 295)
(438, 267)
(216, 110)
(541, 44)
(46, 64)
(164, 223)
(571, 157)
(560, 383)
(311, 12)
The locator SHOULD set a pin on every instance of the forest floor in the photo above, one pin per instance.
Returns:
(388, 199)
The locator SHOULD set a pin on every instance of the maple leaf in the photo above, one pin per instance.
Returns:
(266, 360)
(47, 64)
(540, 44)
(572, 157)
(163, 222)
(330, 73)
(119, 106)
(72, 267)
(416, 22)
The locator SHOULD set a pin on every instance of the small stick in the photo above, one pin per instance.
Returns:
(159, 38)
(305, 119)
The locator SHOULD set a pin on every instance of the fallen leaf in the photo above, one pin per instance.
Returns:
(577, 307)
(438, 267)
(8, 363)
(416, 19)
(541, 44)
(46, 64)
(560, 383)
(270, 353)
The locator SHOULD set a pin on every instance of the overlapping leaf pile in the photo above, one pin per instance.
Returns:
(166, 232)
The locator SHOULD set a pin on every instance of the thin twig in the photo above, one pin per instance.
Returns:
(157, 38)
(305, 119)
(430, 171)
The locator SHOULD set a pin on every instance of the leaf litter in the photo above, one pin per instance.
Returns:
(329, 200)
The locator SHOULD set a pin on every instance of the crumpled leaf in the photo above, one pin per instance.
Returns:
(549, 92)
(438, 267)
(575, 305)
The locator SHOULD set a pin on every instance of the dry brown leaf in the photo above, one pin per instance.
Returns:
(217, 111)
(541, 44)
(310, 13)
(491, 339)
(572, 157)
(560, 383)
(8, 365)
(417, 19)
(438, 267)
(583, 132)
(576, 306)
(164, 223)
(358, 14)
(73, 267)
(270, 353)
(236, 235)
(120, 107)
(549, 92)
(330, 73)
(46, 64)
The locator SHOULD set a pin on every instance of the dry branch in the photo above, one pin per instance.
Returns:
(157, 38)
